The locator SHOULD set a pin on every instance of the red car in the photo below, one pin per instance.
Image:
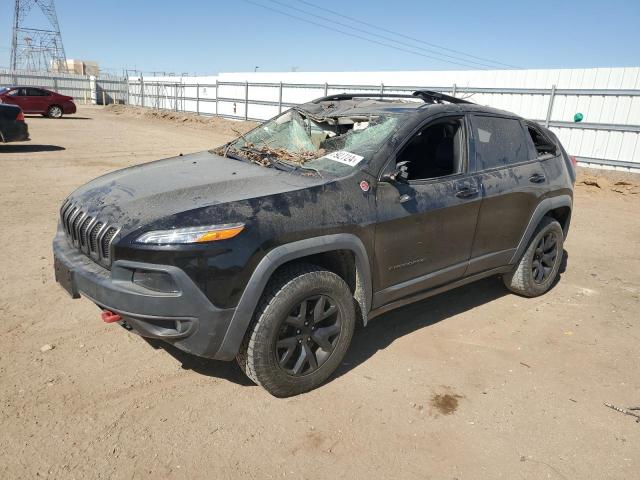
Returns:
(38, 100)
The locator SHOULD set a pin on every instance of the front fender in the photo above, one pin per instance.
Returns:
(278, 257)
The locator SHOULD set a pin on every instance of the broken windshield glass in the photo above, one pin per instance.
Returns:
(331, 144)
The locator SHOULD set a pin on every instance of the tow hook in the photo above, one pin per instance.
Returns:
(109, 317)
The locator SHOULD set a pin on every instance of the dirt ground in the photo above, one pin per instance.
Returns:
(472, 384)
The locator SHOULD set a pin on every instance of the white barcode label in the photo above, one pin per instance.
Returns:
(345, 157)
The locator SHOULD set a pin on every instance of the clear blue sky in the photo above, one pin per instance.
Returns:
(198, 36)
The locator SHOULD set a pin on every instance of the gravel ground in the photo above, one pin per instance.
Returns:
(472, 384)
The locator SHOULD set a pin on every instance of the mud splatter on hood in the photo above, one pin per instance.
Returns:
(142, 194)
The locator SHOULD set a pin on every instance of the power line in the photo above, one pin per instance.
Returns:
(405, 36)
(374, 34)
(350, 34)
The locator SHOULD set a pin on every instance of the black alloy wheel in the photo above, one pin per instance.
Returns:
(308, 335)
(544, 257)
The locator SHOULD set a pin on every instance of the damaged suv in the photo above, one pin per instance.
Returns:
(272, 247)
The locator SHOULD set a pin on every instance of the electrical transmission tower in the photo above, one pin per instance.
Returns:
(37, 49)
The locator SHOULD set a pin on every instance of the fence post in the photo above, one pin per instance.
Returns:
(128, 87)
(550, 108)
(216, 98)
(104, 98)
(326, 89)
(381, 88)
(280, 99)
(454, 90)
(176, 98)
(197, 99)
(55, 84)
(141, 90)
(246, 100)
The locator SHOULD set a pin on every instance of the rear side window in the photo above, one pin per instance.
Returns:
(500, 142)
(544, 145)
(36, 92)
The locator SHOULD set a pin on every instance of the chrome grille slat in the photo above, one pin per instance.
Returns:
(64, 208)
(106, 241)
(101, 236)
(93, 237)
(84, 229)
(65, 221)
(75, 227)
(88, 233)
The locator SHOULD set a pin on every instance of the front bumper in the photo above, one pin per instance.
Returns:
(69, 109)
(186, 319)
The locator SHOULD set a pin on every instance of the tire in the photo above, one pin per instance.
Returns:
(280, 349)
(538, 268)
(54, 111)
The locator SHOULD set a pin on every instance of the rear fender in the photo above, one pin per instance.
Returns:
(544, 207)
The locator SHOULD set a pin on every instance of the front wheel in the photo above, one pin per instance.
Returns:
(303, 327)
(54, 111)
(540, 264)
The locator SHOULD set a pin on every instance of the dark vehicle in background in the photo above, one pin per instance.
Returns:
(36, 100)
(12, 125)
(272, 247)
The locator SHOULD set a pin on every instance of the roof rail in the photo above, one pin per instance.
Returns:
(349, 96)
(427, 96)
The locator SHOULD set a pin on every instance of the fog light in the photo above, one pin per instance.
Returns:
(154, 280)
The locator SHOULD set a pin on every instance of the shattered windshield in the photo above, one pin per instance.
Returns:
(330, 144)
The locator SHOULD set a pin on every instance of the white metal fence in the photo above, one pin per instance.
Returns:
(610, 139)
(101, 89)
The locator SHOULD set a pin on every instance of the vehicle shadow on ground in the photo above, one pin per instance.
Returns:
(379, 333)
(385, 329)
(382, 331)
(30, 148)
(64, 117)
(204, 366)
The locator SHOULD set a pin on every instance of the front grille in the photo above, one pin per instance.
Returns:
(87, 233)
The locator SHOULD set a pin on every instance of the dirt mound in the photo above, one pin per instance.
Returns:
(623, 183)
(220, 125)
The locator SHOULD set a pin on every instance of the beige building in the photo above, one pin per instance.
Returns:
(82, 67)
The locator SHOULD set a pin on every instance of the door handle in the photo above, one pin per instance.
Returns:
(406, 197)
(537, 178)
(467, 192)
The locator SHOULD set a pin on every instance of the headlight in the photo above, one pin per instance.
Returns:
(207, 233)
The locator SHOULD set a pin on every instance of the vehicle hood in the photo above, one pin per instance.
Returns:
(137, 196)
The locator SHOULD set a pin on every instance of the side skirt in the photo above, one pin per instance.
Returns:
(435, 291)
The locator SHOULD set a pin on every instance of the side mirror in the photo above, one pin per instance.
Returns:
(399, 175)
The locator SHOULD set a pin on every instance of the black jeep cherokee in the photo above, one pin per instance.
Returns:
(270, 248)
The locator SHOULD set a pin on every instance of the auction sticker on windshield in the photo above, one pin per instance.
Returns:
(345, 157)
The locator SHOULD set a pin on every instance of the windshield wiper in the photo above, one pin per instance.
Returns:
(304, 167)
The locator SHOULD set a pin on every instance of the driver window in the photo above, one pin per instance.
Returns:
(435, 151)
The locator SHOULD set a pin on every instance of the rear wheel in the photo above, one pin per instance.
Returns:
(54, 111)
(539, 266)
(302, 329)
